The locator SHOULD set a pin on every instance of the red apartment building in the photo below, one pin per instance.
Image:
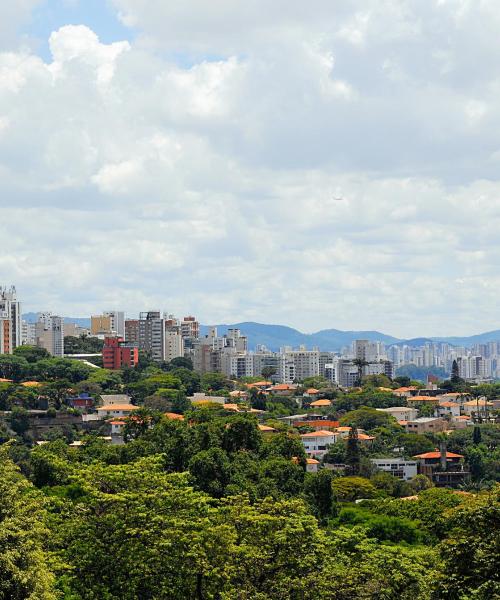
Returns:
(117, 354)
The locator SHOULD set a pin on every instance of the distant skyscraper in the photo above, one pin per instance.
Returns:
(49, 333)
(10, 321)
(117, 322)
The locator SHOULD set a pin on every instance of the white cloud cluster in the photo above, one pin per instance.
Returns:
(333, 165)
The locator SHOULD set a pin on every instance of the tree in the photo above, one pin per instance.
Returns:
(32, 353)
(352, 456)
(476, 436)
(361, 364)
(23, 566)
(471, 548)
(419, 483)
(348, 489)
(214, 382)
(367, 418)
(241, 433)
(210, 470)
(268, 372)
(181, 362)
(189, 379)
(455, 373)
(13, 367)
(319, 493)
(19, 420)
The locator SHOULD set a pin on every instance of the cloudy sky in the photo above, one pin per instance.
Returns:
(316, 164)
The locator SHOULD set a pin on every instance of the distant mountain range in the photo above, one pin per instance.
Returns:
(31, 317)
(275, 337)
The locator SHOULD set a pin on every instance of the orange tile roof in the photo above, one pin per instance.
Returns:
(266, 428)
(282, 387)
(312, 391)
(174, 416)
(365, 438)
(437, 454)
(31, 384)
(2, 380)
(312, 461)
(318, 434)
(230, 406)
(448, 404)
(321, 403)
(422, 399)
(116, 422)
(122, 407)
(411, 388)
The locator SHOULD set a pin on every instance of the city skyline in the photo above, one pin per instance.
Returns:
(266, 163)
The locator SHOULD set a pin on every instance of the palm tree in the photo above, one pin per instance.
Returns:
(360, 363)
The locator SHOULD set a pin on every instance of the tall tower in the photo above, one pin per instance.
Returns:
(10, 320)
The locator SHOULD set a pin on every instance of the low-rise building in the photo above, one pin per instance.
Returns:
(426, 425)
(447, 409)
(400, 468)
(316, 443)
(478, 407)
(401, 413)
(201, 398)
(115, 410)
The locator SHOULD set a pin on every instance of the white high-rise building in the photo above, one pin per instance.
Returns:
(49, 332)
(174, 345)
(10, 321)
(306, 362)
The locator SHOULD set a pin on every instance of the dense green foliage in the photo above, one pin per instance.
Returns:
(209, 507)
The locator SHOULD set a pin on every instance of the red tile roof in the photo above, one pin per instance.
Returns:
(437, 455)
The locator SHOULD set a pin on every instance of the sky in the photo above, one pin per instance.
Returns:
(316, 164)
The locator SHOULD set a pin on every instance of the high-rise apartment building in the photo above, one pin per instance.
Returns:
(174, 345)
(100, 325)
(49, 332)
(116, 322)
(10, 320)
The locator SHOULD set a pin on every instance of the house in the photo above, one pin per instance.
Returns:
(461, 422)
(311, 393)
(261, 385)
(83, 401)
(117, 426)
(240, 394)
(266, 429)
(400, 468)
(108, 399)
(318, 424)
(312, 465)
(444, 468)
(344, 432)
(426, 424)
(478, 407)
(405, 392)
(291, 418)
(401, 413)
(316, 443)
(321, 404)
(115, 410)
(201, 398)
(447, 409)
(283, 389)
(432, 400)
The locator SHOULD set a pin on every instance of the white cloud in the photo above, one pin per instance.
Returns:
(327, 168)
